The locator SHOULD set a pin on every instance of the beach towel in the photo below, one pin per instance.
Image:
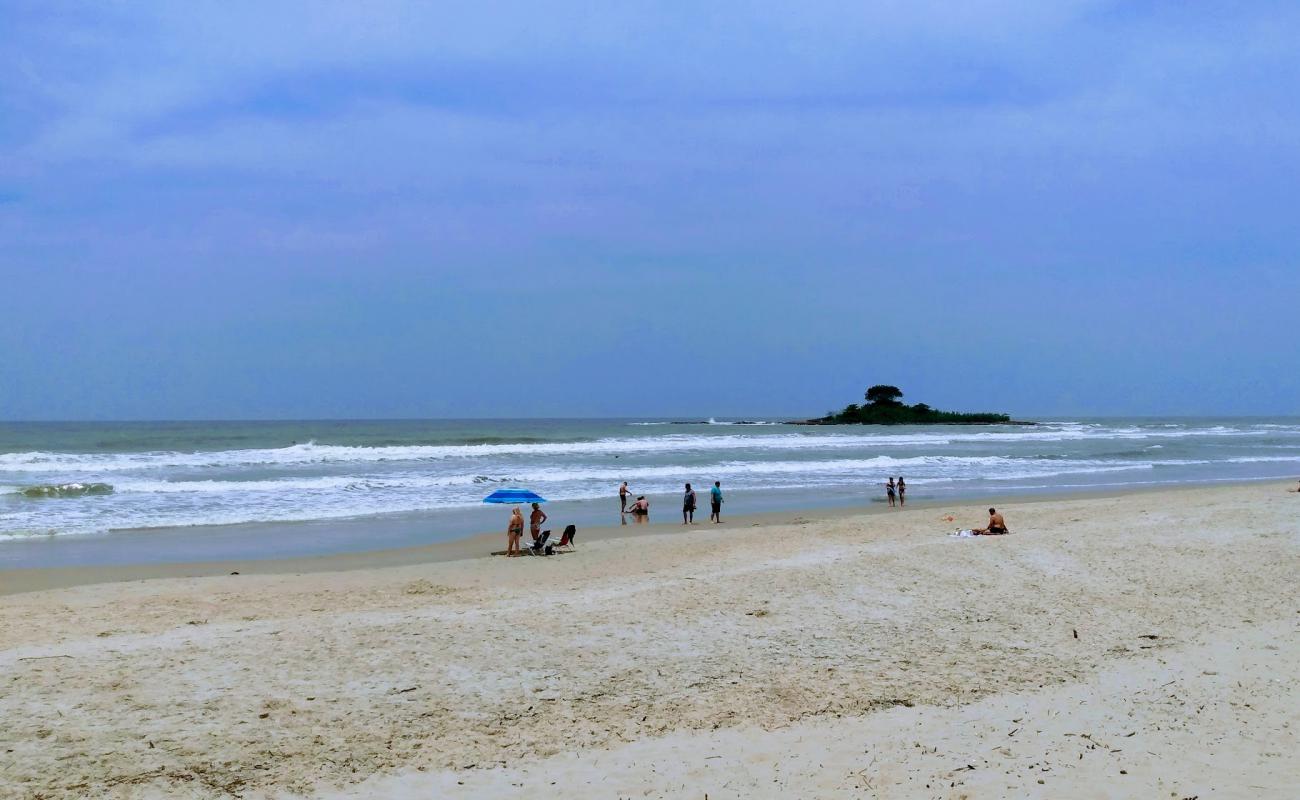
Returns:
(963, 534)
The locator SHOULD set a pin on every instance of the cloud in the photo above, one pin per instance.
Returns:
(971, 146)
(101, 78)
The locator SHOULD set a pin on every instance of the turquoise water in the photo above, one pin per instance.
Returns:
(312, 487)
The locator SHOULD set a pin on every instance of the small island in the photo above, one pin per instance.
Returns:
(884, 406)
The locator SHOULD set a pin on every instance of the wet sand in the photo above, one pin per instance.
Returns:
(1134, 646)
(664, 521)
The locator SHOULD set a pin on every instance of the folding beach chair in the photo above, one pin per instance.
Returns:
(538, 547)
(566, 540)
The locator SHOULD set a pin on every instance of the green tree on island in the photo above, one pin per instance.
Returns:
(885, 407)
(882, 395)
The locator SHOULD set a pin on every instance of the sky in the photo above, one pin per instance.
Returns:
(386, 209)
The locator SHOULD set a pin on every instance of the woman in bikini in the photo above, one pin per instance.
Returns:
(536, 520)
(514, 532)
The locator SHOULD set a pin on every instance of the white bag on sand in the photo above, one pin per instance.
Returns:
(963, 534)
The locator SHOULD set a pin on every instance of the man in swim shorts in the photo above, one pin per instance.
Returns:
(715, 501)
(641, 509)
(997, 525)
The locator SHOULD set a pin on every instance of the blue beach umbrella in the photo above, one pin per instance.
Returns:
(509, 496)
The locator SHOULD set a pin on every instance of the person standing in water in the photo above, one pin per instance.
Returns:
(688, 506)
(889, 490)
(715, 502)
(902, 492)
(622, 498)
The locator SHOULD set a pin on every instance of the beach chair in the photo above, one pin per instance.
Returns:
(566, 539)
(538, 547)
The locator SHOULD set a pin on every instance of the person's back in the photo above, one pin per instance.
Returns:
(996, 523)
(514, 532)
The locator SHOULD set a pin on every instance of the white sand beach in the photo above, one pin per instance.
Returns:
(1141, 646)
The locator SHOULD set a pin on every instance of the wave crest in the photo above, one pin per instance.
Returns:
(66, 490)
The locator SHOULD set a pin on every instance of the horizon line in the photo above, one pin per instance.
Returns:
(776, 418)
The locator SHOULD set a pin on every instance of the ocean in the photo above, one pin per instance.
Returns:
(192, 490)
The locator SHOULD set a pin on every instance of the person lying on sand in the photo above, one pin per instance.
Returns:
(997, 525)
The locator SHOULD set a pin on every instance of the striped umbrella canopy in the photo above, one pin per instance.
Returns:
(514, 496)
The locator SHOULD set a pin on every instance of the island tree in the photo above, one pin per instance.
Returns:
(882, 395)
(884, 406)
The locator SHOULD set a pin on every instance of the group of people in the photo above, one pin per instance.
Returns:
(640, 508)
(898, 490)
(640, 511)
(515, 530)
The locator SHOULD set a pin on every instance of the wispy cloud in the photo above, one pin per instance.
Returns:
(1090, 140)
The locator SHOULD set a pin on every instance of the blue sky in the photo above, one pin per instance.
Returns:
(230, 210)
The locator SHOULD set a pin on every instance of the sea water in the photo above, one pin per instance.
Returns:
(250, 489)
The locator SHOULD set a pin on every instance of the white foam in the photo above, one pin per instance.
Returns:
(685, 442)
(312, 453)
(321, 481)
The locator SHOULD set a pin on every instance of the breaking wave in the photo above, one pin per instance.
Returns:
(264, 482)
(65, 490)
(313, 453)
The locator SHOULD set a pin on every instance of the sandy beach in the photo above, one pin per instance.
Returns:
(1135, 646)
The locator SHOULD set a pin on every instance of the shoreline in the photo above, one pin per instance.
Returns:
(481, 545)
(1136, 646)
